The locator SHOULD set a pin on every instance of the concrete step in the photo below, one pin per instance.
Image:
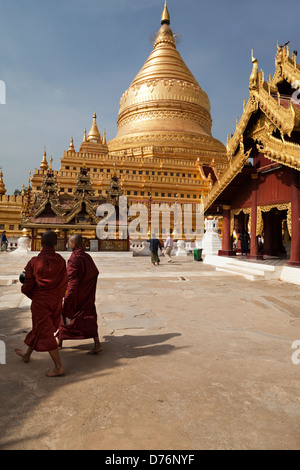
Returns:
(271, 271)
(250, 274)
(250, 264)
(251, 271)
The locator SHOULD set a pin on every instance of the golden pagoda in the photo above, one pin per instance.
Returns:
(164, 147)
(164, 104)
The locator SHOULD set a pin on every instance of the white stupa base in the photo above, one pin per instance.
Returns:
(211, 242)
(181, 248)
(23, 246)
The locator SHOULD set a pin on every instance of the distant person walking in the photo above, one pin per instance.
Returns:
(4, 241)
(154, 246)
(45, 284)
(79, 312)
(169, 247)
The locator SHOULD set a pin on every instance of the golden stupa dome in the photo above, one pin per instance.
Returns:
(164, 98)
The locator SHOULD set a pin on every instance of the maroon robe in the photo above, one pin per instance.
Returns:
(79, 312)
(45, 284)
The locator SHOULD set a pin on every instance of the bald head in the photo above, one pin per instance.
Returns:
(75, 241)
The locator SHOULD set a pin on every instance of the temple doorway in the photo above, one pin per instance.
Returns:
(275, 233)
(241, 232)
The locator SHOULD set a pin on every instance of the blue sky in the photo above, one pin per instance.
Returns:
(63, 59)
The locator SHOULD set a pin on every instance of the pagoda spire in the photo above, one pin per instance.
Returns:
(84, 186)
(2, 185)
(44, 163)
(71, 146)
(29, 182)
(165, 17)
(94, 134)
(115, 189)
(49, 188)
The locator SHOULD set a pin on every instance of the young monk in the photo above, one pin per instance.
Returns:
(45, 284)
(79, 312)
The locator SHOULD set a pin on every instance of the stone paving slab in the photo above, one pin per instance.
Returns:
(200, 363)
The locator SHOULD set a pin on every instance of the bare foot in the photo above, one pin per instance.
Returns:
(24, 355)
(96, 350)
(57, 372)
(59, 344)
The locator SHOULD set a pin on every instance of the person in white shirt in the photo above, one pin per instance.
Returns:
(168, 247)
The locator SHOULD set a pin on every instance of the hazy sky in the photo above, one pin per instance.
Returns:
(63, 59)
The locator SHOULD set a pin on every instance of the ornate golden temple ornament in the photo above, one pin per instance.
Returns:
(280, 150)
(236, 164)
(284, 118)
(232, 143)
(267, 208)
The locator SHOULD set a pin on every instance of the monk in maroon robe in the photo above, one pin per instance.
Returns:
(45, 284)
(79, 311)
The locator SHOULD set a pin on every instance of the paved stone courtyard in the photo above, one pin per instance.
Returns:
(193, 359)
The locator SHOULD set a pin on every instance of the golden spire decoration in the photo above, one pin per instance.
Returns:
(71, 147)
(94, 134)
(44, 163)
(165, 17)
(254, 77)
(50, 167)
(84, 136)
(2, 185)
(29, 182)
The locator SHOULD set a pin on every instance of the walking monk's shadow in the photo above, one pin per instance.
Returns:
(116, 348)
(133, 346)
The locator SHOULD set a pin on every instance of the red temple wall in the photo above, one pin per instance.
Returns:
(273, 187)
(242, 197)
(260, 161)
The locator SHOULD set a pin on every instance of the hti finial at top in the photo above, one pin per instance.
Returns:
(165, 17)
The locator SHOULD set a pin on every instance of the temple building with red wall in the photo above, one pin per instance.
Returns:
(260, 190)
